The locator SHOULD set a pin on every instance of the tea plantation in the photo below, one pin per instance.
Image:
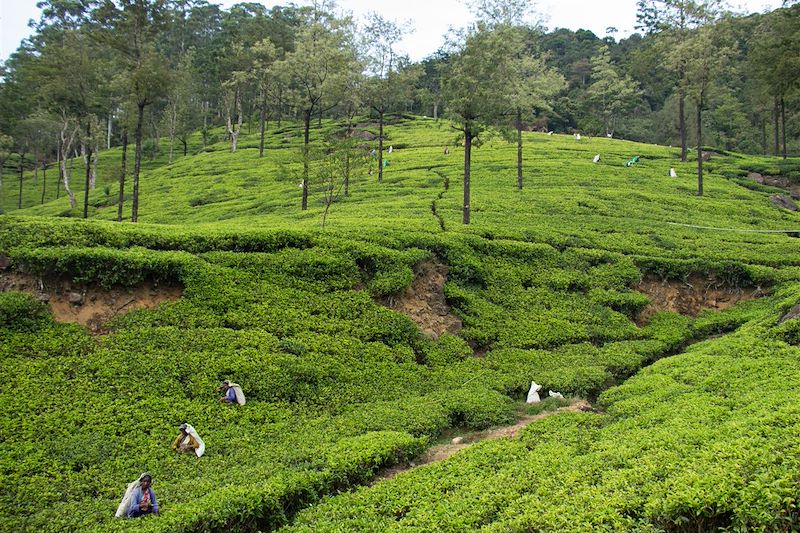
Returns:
(697, 418)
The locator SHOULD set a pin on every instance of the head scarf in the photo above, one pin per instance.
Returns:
(201, 448)
(125, 504)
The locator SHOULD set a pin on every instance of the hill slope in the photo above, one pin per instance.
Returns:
(339, 386)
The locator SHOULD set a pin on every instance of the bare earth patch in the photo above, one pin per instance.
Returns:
(691, 296)
(87, 304)
(424, 301)
(444, 451)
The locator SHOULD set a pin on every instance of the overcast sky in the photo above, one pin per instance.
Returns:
(431, 18)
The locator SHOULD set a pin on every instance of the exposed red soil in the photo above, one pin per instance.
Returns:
(689, 297)
(424, 301)
(88, 304)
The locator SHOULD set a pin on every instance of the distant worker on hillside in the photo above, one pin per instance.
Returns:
(188, 441)
(632, 161)
(139, 499)
(233, 393)
(446, 150)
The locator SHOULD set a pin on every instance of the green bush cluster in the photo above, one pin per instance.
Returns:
(339, 386)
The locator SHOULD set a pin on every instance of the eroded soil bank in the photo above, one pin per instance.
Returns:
(88, 304)
(424, 301)
(689, 297)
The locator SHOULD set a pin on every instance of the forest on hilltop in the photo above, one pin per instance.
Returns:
(103, 73)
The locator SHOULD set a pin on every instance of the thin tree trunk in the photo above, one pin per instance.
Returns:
(205, 123)
(21, 171)
(60, 174)
(380, 147)
(66, 144)
(173, 119)
(156, 136)
(137, 163)
(347, 158)
(764, 135)
(93, 158)
(700, 147)
(35, 169)
(280, 107)
(519, 148)
(682, 123)
(776, 114)
(262, 123)
(235, 126)
(185, 147)
(783, 126)
(122, 174)
(467, 157)
(108, 136)
(306, 136)
(436, 110)
(44, 180)
(88, 168)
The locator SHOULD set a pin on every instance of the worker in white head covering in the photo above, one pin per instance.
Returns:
(189, 441)
(139, 499)
(233, 393)
(533, 393)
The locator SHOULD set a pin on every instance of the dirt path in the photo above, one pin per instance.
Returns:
(460, 442)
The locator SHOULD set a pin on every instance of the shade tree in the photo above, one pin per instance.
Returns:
(390, 79)
(474, 87)
(315, 73)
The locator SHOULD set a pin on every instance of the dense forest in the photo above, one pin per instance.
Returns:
(103, 73)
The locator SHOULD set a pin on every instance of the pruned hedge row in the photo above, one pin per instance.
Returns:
(337, 385)
(703, 441)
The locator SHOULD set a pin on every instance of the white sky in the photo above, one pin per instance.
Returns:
(431, 18)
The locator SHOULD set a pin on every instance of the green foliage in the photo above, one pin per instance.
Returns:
(21, 312)
(339, 386)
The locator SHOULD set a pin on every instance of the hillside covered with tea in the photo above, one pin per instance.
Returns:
(692, 416)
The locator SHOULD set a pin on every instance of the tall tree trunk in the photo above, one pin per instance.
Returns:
(262, 123)
(185, 146)
(436, 110)
(519, 148)
(156, 136)
(776, 114)
(380, 146)
(122, 174)
(108, 136)
(467, 157)
(93, 158)
(306, 137)
(205, 123)
(700, 147)
(347, 174)
(137, 163)
(682, 123)
(21, 171)
(66, 145)
(58, 164)
(280, 106)
(173, 119)
(44, 180)
(88, 168)
(783, 126)
(234, 119)
(764, 135)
